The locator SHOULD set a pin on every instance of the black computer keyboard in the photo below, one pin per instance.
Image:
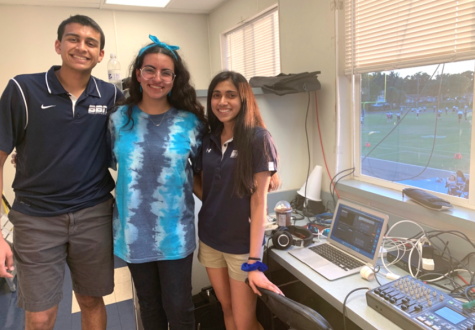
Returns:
(336, 256)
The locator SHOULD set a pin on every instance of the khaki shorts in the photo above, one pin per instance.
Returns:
(43, 245)
(212, 258)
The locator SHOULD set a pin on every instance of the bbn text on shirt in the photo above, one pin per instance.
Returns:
(98, 109)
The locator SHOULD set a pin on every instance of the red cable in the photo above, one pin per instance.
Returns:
(464, 281)
(323, 151)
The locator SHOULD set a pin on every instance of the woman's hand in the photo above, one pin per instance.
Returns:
(258, 279)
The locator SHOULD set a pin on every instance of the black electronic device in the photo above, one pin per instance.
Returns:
(440, 265)
(311, 207)
(282, 237)
(414, 305)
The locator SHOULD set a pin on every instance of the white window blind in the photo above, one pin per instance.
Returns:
(252, 49)
(385, 35)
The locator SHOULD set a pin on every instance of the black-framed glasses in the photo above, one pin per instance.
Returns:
(167, 76)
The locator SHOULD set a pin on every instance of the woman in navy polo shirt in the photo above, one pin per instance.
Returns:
(239, 163)
(156, 135)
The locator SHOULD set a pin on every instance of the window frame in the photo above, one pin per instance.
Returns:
(353, 95)
(223, 40)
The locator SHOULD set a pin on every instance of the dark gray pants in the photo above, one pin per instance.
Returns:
(43, 245)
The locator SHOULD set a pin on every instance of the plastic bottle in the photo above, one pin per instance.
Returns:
(113, 71)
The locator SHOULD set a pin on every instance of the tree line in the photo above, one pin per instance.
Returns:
(397, 90)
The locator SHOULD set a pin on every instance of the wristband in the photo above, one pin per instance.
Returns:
(257, 259)
(255, 266)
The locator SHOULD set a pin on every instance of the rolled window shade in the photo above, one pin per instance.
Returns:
(252, 49)
(383, 35)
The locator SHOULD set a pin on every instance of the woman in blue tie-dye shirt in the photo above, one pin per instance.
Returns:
(156, 135)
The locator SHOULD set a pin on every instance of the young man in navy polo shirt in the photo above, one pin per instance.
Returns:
(63, 207)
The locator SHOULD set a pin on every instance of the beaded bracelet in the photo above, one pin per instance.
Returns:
(255, 266)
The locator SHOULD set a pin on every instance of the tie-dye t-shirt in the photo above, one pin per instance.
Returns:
(154, 211)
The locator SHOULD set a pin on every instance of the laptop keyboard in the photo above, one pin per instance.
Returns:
(336, 256)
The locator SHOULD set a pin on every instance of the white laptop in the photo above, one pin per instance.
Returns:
(356, 235)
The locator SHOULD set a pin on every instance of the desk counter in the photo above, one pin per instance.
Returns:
(334, 292)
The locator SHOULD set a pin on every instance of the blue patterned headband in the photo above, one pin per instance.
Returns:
(157, 42)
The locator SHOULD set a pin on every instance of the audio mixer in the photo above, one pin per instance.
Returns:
(414, 305)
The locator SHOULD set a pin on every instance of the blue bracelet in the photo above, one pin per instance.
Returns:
(255, 266)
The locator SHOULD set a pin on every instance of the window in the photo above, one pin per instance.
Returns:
(252, 49)
(413, 66)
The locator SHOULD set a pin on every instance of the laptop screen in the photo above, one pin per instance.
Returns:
(357, 230)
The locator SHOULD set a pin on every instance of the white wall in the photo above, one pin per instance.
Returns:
(303, 48)
(28, 34)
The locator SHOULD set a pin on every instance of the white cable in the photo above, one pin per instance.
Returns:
(404, 221)
(397, 258)
(416, 246)
(407, 241)
(442, 277)
(396, 246)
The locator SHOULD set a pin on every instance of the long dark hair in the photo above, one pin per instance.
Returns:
(248, 118)
(183, 95)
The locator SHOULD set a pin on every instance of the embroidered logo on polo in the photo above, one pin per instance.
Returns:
(234, 154)
(97, 109)
(47, 106)
(208, 150)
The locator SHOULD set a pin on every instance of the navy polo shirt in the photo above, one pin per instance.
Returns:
(224, 218)
(62, 160)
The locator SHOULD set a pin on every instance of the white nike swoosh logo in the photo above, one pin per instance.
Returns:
(47, 106)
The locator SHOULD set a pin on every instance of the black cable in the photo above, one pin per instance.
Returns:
(387, 135)
(304, 206)
(384, 138)
(327, 208)
(295, 219)
(302, 216)
(447, 276)
(344, 304)
(332, 191)
(471, 254)
(376, 271)
(333, 186)
(446, 252)
(344, 176)
(452, 262)
(397, 124)
(435, 130)
(458, 263)
(466, 292)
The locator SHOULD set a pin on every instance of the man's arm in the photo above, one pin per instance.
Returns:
(6, 255)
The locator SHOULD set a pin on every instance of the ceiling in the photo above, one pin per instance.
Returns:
(174, 6)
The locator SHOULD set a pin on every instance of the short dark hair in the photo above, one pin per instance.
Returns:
(85, 21)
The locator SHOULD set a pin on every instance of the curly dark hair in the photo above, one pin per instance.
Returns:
(248, 118)
(183, 95)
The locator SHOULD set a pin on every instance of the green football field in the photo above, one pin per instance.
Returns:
(412, 140)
